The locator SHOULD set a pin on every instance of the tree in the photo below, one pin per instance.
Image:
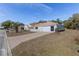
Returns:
(59, 21)
(12, 25)
(7, 24)
(68, 23)
(54, 21)
(72, 22)
(16, 25)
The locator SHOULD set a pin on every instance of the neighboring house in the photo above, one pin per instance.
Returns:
(1, 27)
(20, 28)
(43, 27)
(27, 27)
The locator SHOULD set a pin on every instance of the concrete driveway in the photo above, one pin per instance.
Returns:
(14, 41)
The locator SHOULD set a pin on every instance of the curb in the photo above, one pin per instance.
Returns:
(8, 48)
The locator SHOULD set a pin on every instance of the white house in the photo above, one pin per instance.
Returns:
(43, 27)
(1, 27)
(26, 27)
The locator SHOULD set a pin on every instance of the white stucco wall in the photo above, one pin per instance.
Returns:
(44, 29)
(26, 27)
(55, 26)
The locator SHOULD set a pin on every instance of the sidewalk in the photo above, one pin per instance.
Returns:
(4, 47)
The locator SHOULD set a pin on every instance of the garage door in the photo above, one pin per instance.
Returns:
(46, 29)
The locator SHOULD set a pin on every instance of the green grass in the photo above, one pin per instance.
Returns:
(56, 44)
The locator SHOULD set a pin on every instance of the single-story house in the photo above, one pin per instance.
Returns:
(1, 27)
(27, 27)
(44, 27)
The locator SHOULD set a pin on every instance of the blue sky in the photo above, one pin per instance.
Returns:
(29, 13)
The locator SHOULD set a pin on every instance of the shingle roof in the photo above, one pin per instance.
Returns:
(43, 24)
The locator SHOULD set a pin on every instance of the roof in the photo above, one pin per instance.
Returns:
(43, 24)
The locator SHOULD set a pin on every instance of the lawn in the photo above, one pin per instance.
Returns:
(54, 44)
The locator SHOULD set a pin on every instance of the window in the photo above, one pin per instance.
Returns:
(36, 27)
(52, 28)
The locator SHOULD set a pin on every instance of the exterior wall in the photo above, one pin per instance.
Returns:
(26, 28)
(55, 27)
(43, 29)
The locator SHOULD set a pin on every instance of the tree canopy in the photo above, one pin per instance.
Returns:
(57, 21)
(7, 24)
(11, 24)
(72, 22)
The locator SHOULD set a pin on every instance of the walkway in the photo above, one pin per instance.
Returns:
(4, 47)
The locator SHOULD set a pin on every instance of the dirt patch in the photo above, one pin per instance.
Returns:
(11, 34)
(53, 44)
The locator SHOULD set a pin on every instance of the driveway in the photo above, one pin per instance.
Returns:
(14, 41)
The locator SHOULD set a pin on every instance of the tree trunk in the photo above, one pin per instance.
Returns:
(16, 29)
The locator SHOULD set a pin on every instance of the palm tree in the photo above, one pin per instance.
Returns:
(16, 25)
